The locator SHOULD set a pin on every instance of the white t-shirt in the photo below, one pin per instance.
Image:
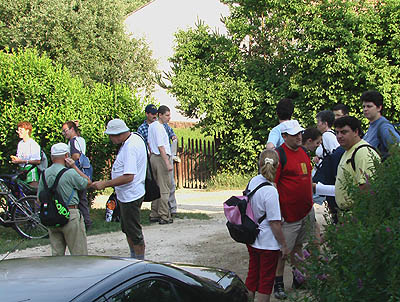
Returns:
(265, 201)
(79, 144)
(29, 150)
(158, 137)
(330, 143)
(131, 159)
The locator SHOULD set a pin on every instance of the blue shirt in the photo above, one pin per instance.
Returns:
(381, 134)
(143, 130)
(275, 136)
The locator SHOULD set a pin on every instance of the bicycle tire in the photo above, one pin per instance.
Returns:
(25, 216)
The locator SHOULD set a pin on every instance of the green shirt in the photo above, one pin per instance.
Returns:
(364, 163)
(69, 182)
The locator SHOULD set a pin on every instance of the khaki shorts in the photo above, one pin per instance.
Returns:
(299, 232)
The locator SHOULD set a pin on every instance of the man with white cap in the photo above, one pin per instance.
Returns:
(128, 177)
(73, 234)
(293, 180)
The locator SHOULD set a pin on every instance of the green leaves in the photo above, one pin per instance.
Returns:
(88, 37)
(32, 88)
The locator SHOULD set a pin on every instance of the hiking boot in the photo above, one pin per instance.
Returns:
(279, 291)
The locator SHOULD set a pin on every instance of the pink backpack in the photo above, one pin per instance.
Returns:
(238, 211)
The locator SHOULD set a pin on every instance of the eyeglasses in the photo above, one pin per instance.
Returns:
(65, 130)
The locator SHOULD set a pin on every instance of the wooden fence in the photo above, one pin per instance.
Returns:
(197, 163)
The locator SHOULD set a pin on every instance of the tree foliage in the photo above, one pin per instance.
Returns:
(317, 52)
(87, 36)
(33, 89)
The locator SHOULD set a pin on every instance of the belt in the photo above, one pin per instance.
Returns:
(73, 206)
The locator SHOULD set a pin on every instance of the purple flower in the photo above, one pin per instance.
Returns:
(359, 283)
(306, 254)
(299, 276)
(322, 277)
(388, 230)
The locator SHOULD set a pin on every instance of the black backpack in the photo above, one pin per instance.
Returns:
(53, 210)
(238, 211)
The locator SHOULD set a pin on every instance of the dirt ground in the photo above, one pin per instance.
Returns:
(201, 242)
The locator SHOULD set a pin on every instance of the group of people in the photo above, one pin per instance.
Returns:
(129, 170)
(286, 162)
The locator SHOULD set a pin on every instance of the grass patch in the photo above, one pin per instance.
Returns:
(192, 133)
(228, 181)
(10, 239)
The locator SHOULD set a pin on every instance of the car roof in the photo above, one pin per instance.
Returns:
(67, 277)
(34, 279)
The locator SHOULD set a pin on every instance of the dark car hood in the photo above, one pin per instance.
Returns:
(206, 273)
(76, 273)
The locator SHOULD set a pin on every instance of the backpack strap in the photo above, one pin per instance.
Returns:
(324, 151)
(246, 193)
(353, 156)
(282, 156)
(55, 184)
(147, 152)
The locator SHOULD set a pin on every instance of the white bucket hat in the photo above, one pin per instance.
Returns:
(115, 127)
(59, 149)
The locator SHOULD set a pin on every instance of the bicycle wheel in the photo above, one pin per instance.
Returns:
(25, 216)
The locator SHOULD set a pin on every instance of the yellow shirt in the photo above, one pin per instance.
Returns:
(364, 164)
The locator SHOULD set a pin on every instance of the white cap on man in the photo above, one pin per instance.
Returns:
(59, 149)
(115, 127)
(291, 127)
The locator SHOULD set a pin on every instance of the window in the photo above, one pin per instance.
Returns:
(152, 290)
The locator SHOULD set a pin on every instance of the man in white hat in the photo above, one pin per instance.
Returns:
(73, 234)
(128, 177)
(293, 180)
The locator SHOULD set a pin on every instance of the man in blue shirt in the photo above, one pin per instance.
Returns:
(381, 133)
(284, 111)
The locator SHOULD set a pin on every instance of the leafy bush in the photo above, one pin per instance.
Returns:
(359, 259)
(47, 95)
(87, 36)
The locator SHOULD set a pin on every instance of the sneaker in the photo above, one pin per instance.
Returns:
(154, 219)
(279, 291)
(162, 221)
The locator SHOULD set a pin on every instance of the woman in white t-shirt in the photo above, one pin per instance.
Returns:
(264, 253)
(28, 153)
(77, 146)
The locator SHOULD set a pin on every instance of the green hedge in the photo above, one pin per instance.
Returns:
(32, 88)
(359, 260)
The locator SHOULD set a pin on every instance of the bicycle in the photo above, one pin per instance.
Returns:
(19, 210)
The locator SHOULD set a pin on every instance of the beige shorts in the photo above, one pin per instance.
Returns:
(299, 232)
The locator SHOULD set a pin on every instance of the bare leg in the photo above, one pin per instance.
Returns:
(138, 249)
(263, 298)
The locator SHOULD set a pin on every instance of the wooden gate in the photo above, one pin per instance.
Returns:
(197, 163)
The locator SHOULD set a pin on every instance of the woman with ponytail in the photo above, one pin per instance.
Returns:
(270, 243)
